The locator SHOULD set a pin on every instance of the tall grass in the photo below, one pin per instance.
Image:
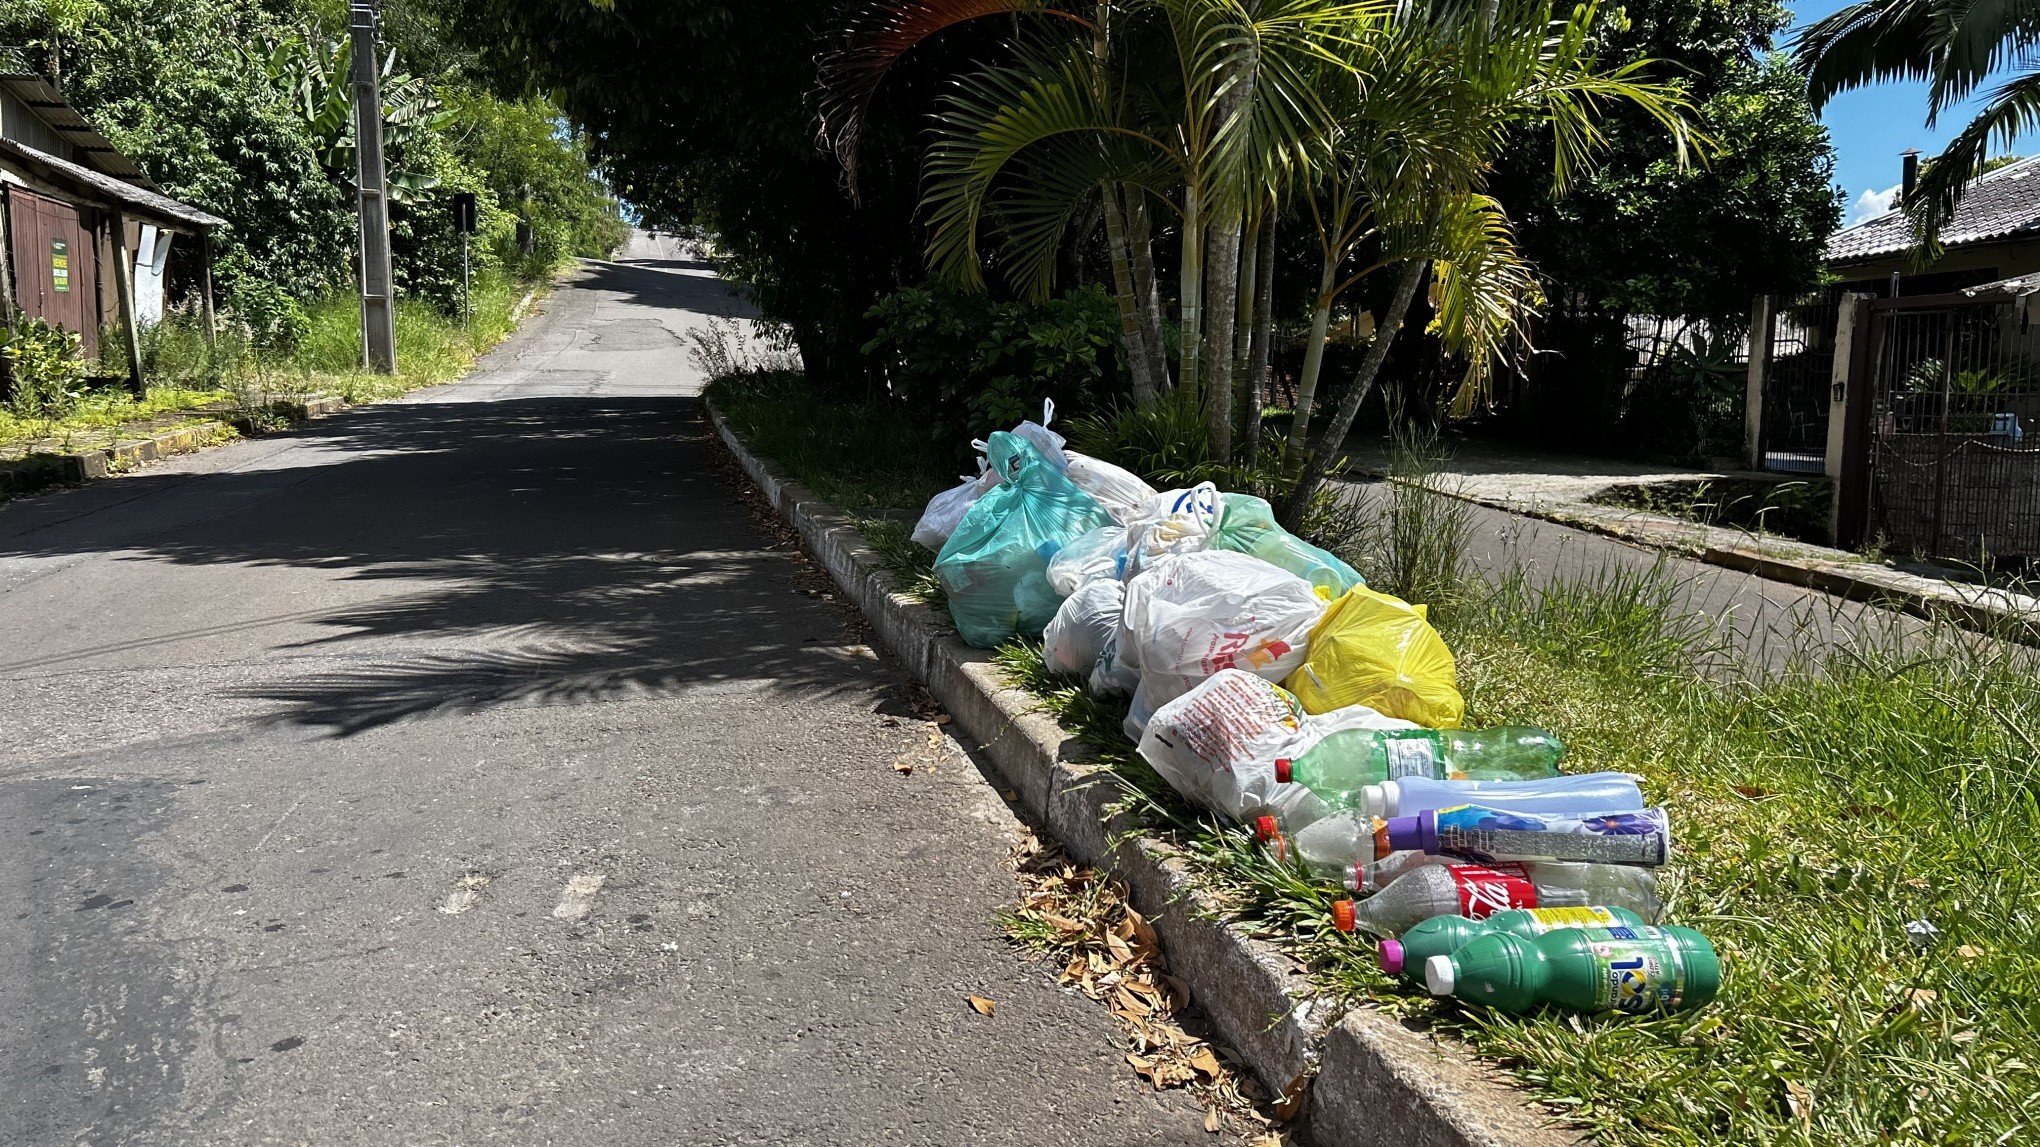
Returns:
(185, 372)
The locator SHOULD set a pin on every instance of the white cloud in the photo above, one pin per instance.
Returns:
(1871, 204)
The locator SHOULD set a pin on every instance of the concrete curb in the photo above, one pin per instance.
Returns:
(37, 471)
(1994, 612)
(1376, 1081)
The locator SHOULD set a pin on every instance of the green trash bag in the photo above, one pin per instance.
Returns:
(995, 566)
(1248, 527)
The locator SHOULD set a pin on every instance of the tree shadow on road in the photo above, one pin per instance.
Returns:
(526, 552)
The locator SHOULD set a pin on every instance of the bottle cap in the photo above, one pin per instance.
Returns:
(1374, 799)
(1418, 832)
(1391, 956)
(1342, 915)
(1282, 770)
(1267, 828)
(1439, 975)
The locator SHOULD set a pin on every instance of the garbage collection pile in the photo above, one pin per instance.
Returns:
(1266, 681)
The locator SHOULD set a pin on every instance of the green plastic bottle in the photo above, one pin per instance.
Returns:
(1444, 935)
(1341, 765)
(1629, 969)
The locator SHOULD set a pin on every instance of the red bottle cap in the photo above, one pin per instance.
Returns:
(1342, 915)
(1267, 828)
(1282, 770)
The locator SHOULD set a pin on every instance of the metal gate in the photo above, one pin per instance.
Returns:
(55, 263)
(1954, 426)
(1797, 381)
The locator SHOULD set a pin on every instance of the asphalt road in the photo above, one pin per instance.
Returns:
(476, 769)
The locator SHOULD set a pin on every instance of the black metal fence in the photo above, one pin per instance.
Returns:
(1954, 426)
(1797, 384)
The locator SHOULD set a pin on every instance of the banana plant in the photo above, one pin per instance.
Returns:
(318, 78)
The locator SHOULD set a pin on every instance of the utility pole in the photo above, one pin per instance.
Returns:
(378, 304)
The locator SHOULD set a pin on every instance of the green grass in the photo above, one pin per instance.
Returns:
(431, 348)
(1818, 811)
(1794, 509)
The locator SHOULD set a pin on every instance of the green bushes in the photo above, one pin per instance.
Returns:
(979, 365)
(45, 374)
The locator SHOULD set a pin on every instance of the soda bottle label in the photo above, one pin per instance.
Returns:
(1551, 919)
(1412, 757)
(1641, 971)
(1484, 890)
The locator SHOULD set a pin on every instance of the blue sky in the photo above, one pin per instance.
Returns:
(1870, 126)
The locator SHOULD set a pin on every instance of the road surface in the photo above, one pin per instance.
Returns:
(476, 769)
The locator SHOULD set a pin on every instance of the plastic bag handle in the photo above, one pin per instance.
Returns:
(1047, 411)
(979, 445)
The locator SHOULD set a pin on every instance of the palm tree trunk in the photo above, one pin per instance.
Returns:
(1190, 302)
(1147, 290)
(1313, 357)
(1137, 364)
(1260, 356)
(1329, 443)
(1221, 294)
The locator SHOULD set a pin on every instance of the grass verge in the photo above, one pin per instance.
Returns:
(187, 378)
(1852, 832)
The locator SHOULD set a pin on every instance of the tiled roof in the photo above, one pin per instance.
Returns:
(2004, 202)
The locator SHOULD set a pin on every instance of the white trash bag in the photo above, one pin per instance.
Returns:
(1083, 627)
(1045, 440)
(1098, 554)
(1173, 522)
(1190, 615)
(1217, 743)
(1119, 490)
(946, 509)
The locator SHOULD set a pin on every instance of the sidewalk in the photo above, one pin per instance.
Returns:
(1562, 488)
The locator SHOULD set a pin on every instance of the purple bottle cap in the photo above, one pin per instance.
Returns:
(1418, 832)
(1391, 957)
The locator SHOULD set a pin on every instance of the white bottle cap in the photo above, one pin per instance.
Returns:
(1381, 799)
(1438, 975)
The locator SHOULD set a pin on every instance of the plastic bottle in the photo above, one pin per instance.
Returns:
(1480, 891)
(1545, 796)
(1345, 762)
(1632, 970)
(1485, 835)
(1444, 935)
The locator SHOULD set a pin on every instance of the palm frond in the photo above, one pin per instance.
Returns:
(2012, 110)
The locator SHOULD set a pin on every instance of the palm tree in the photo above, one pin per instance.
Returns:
(1440, 91)
(1954, 45)
(1198, 107)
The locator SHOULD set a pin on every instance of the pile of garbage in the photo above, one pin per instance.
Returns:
(1267, 682)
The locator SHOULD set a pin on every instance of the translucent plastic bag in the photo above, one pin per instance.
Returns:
(1173, 522)
(1375, 650)
(1248, 527)
(1083, 627)
(1119, 490)
(1098, 554)
(994, 567)
(1217, 743)
(946, 509)
(1047, 441)
(1191, 615)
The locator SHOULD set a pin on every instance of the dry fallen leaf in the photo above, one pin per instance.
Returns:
(981, 1005)
(1969, 951)
(1212, 1122)
(1799, 1097)
(1921, 997)
(1750, 791)
(903, 765)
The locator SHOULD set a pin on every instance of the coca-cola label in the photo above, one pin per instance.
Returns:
(1487, 889)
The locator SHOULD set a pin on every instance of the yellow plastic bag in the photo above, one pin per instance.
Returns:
(1379, 651)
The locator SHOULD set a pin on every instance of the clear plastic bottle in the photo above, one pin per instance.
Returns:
(1591, 970)
(1545, 796)
(1479, 891)
(1341, 765)
(1485, 835)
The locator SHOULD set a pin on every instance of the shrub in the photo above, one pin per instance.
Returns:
(45, 372)
(984, 365)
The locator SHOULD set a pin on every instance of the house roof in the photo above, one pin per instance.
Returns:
(94, 150)
(99, 187)
(2002, 203)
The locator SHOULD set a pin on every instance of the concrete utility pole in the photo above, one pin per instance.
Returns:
(378, 305)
